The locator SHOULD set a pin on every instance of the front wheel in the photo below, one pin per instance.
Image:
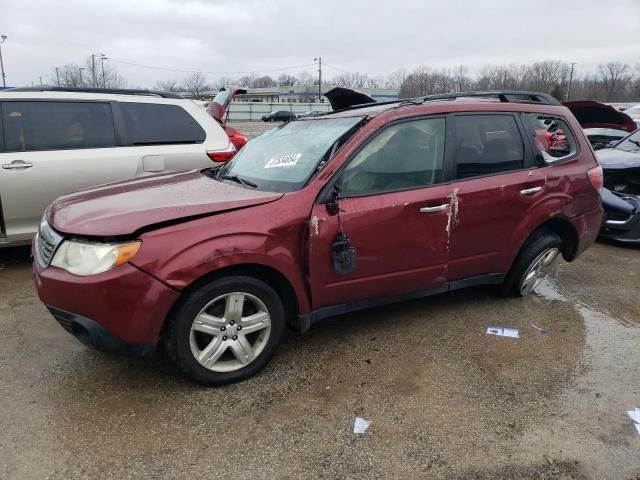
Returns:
(532, 264)
(226, 331)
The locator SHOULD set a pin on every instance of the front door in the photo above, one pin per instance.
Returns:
(395, 213)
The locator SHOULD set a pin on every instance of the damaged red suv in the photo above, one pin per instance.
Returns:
(367, 205)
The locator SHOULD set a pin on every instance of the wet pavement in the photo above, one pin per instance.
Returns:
(445, 400)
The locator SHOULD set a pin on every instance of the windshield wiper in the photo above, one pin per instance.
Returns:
(635, 142)
(240, 180)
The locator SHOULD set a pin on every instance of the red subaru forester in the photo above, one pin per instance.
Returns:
(329, 214)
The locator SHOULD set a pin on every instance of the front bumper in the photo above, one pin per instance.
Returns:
(622, 222)
(122, 309)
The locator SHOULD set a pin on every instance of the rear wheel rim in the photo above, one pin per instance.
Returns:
(230, 332)
(538, 270)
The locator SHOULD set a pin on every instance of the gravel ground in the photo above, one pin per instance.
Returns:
(445, 400)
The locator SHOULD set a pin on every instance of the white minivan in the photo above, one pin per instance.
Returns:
(55, 141)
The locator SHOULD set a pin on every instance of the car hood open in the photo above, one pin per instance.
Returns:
(124, 208)
(342, 97)
(592, 114)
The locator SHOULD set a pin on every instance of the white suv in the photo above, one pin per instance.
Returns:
(55, 141)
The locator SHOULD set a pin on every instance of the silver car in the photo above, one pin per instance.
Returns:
(58, 141)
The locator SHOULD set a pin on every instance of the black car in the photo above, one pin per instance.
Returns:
(621, 192)
(279, 116)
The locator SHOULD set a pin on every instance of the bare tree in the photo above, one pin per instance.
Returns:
(612, 75)
(286, 80)
(264, 81)
(396, 79)
(68, 76)
(167, 85)
(544, 76)
(195, 85)
(89, 75)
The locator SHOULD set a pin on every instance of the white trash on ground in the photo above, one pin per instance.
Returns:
(635, 416)
(360, 425)
(503, 332)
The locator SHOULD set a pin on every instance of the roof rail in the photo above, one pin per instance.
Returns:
(118, 91)
(508, 96)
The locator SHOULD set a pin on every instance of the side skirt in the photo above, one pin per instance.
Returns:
(304, 322)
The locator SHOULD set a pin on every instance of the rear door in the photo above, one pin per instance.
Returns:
(395, 213)
(52, 148)
(496, 183)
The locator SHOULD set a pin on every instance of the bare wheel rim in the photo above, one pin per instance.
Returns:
(538, 270)
(230, 332)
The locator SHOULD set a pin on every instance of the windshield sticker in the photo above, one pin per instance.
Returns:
(283, 161)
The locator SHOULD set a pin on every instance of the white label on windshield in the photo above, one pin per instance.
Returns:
(283, 161)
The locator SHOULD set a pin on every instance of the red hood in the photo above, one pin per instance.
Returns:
(592, 114)
(123, 208)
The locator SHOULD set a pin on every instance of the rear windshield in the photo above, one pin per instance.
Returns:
(285, 158)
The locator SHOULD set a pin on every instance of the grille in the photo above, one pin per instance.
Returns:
(46, 243)
(64, 322)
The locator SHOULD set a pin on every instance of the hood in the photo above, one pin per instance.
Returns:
(341, 97)
(219, 104)
(615, 159)
(616, 201)
(124, 208)
(598, 115)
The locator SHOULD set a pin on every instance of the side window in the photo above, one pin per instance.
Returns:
(552, 136)
(487, 145)
(403, 156)
(154, 124)
(33, 126)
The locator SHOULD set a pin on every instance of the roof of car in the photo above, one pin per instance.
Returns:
(55, 93)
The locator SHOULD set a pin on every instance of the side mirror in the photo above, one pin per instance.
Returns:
(333, 205)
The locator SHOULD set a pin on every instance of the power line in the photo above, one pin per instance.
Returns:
(210, 72)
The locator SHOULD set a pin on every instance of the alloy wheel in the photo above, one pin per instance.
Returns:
(537, 270)
(230, 332)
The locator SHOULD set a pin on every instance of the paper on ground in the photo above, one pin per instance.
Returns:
(360, 425)
(503, 332)
(635, 415)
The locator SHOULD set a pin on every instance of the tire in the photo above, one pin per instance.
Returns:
(272, 119)
(205, 337)
(539, 252)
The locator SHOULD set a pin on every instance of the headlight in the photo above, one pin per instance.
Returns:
(84, 258)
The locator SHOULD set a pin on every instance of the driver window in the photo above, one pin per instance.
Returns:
(404, 156)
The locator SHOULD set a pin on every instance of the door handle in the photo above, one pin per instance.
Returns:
(439, 208)
(15, 165)
(529, 191)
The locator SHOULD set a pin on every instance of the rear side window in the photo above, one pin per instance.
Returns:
(552, 136)
(403, 156)
(154, 124)
(487, 145)
(34, 126)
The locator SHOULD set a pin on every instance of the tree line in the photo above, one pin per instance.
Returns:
(610, 82)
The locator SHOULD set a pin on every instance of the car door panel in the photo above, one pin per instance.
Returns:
(399, 248)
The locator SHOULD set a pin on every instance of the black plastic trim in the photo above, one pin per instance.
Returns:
(93, 335)
(304, 322)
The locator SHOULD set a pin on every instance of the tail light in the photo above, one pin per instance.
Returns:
(596, 178)
(238, 140)
(222, 155)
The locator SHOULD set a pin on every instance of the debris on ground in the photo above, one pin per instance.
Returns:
(360, 425)
(503, 332)
(541, 331)
(635, 416)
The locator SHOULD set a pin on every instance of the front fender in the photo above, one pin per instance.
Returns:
(181, 264)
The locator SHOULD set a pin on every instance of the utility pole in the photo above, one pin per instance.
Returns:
(41, 82)
(81, 81)
(570, 79)
(102, 59)
(319, 60)
(58, 77)
(4, 78)
(93, 70)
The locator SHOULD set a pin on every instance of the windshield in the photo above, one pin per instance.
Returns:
(285, 158)
(631, 143)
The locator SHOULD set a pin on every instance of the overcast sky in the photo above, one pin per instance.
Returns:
(374, 37)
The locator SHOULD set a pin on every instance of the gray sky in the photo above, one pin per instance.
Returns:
(374, 37)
